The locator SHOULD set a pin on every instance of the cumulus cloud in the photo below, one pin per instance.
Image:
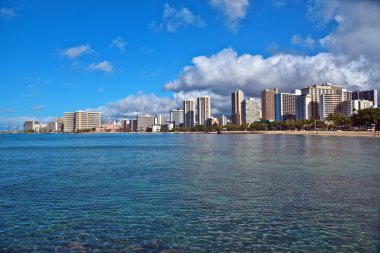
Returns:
(226, 71)
(38, 107)
(102, 66)
(7, 12)
(134, 105)
(74, 52)
(173, 19)
(119, 43)
(232, 10)
(358, 30)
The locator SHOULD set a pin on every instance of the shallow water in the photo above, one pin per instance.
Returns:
(189, 193)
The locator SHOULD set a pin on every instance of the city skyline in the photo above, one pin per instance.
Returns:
(140, 61)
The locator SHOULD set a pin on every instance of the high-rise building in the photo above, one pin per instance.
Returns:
(333, 103)
(360, 105)
(370, 95)
(222, 120)
(303, 107)
(189, 112)
(236, 112)
(176, 116)
(285, 105)
(143, 122)
(87, 120)
(250, 111)
(204, 109)
(69, 122)
(160, 119)
(80, 120)
(31, 125)
(315, 91)
(267, 104)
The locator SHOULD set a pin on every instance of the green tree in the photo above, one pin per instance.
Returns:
(367, 117)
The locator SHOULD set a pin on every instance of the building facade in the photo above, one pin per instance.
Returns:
(360, 105)
(303, 107)
(176, 116)
(267, 104)
(250, 111)
(143, 122)
(204, 109)
(285, 106)
(160, 119)
(236, 111)
(74, 121)
(189, 112)
(370, 95)
(315, 91)
(333, 103)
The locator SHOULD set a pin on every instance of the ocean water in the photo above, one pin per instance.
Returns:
(189, 193)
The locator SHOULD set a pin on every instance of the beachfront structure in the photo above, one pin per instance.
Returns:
(370, 95)
(315, 91)
(143, 122)
(250, 111)
(176, 116)
(87, 120)
(285, 105)
(360, 105)
(80, 120)
(267, 104)
(160, 119)
(222, 120)
(334, 103)
(189, 112)
(69, 122)
(303, 107)
(31, 125)
(236, 100)
(204, 110)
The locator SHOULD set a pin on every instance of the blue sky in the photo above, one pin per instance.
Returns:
(129, 57)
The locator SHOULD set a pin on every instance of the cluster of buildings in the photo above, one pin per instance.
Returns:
(313, 102)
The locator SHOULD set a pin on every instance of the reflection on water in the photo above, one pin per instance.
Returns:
(189, 193)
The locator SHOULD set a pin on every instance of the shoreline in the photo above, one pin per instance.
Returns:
(312, 133)
(284, 132)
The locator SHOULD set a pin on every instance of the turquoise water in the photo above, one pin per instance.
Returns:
(189, 193)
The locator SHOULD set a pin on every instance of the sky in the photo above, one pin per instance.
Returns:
(125, 58)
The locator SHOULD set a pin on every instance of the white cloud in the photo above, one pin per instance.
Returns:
(7, 12)
(299, 40)
(173, 19)
(38, 107)
(102, 66)
(226, 71)
(134, 105)
(358, 27)
(74, 52)
(233, 10)
(119, 43)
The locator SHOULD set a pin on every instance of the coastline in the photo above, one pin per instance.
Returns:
(284, 132)
(312, 133)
